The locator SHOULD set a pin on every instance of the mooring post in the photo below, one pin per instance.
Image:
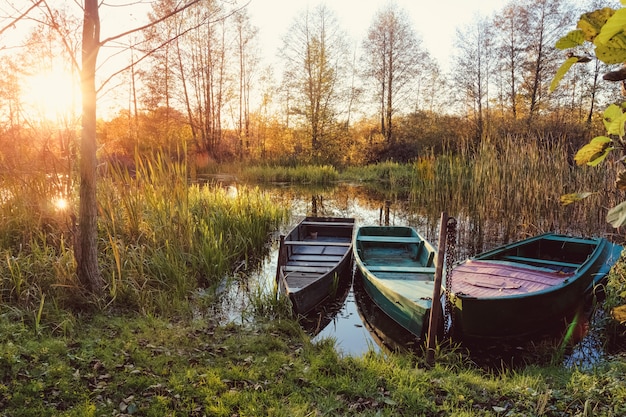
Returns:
(281, 257)
(387, 206)
(435, 307)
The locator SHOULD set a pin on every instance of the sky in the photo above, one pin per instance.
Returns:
(435, 21)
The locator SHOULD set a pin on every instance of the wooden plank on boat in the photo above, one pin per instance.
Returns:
(315, 243)
(333, 224)
(312, 269)
(390, 239)
(300, 280)
(541, 261)
(311, 263)
(316, 258)
(413, 269)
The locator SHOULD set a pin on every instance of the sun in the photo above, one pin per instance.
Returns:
(51, 95)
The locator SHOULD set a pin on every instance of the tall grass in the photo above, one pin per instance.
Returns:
(511, 189)
(307, 174)
(159, 239)
(392, 174)
(175, 237)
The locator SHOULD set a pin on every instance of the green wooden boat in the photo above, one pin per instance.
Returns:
(398, 270)
(312, 258)
(529, 287)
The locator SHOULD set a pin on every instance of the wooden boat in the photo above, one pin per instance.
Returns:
(528, 287)
(398, 270)
(312, 258)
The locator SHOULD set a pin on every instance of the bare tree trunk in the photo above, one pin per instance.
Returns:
(86, 251)
(390, 80)
(594, 91)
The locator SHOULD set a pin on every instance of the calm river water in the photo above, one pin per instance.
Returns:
(352, 320)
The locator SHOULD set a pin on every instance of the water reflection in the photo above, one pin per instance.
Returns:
(352, 320)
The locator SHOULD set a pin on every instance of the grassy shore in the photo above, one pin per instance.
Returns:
(137, 365)
(153, 347)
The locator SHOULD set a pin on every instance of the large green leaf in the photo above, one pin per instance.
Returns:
(617, 215)
(594, 152)
(610, 55)
(571, 40)
(614, 120)
(591, 23)
(567, 199)
(560, 73)
(615, 25)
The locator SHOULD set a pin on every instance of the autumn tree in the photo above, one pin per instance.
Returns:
(472, 67)
(393, 58)
(245, 35)
(85, 245)
(314, 52)
(509, 25)
(547, 21)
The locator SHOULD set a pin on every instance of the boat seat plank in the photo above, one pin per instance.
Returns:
(296, 282)
(315, 243)
(316, 258)
(541, 261)
(390, 239)
(311, 263)
(313, 269)
(332, 224)
(414, 269)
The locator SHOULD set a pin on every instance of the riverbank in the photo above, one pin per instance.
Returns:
(135, 365)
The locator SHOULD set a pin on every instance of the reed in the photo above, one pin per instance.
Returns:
(308, 174)
(510, 189)
(159, 239)
(392, 174)
(174, 238)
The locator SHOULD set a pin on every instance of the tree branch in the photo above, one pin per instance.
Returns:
(17, 19)
(146, 55)
(150, 52)
(146, 26)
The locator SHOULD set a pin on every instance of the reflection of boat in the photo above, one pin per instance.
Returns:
(527, 287)
(312, 258)
(321, 316)
(398, 269)
(387, 334)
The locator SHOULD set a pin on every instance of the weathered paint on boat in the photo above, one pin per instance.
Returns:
(398, 270)
(313, 257)
(528, 287)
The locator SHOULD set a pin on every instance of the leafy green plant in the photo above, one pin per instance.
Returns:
(605, 30)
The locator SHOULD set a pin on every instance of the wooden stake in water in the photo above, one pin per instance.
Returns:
(435, 307)
(281, 257)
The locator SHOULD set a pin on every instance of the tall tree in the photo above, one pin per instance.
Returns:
(315, 56)
(547, 21)
(245, 35)
(393, 57)
(510, 24)
(472, 67)
(85, 246)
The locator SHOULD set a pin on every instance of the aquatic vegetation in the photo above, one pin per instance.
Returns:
(159, 239)
(307, 174)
